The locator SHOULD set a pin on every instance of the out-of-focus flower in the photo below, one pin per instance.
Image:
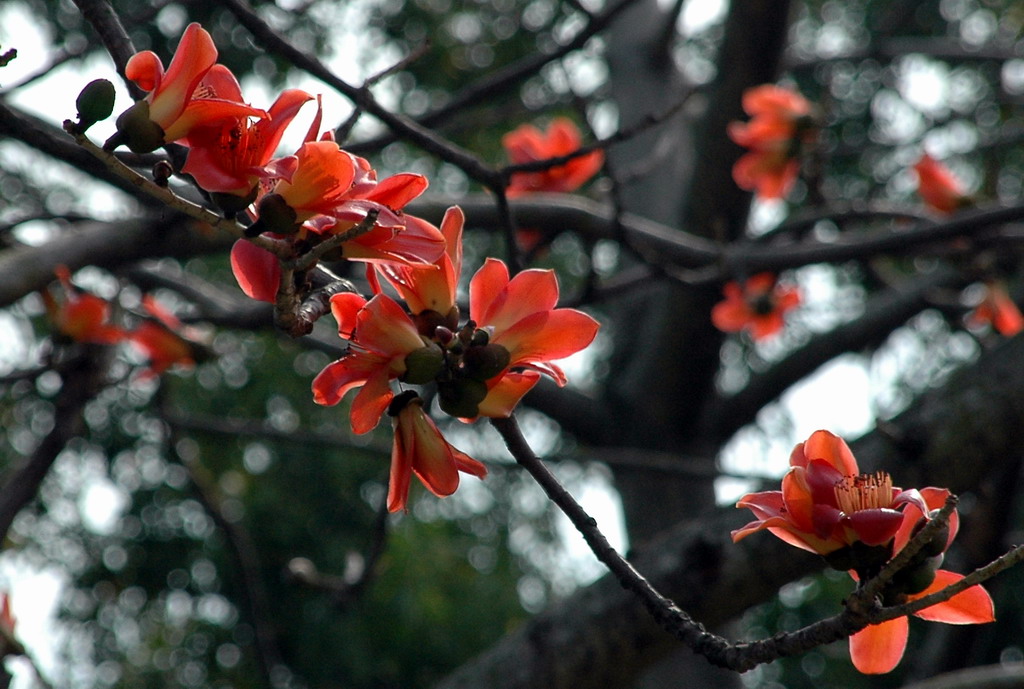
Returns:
(419, 448)
(527, 144)
(781, 125)
(164, 340)
(7, 620)
(381, 339)
(81, 316)
(758, 306)
(998, 310)
(938, 187)
(180, 98)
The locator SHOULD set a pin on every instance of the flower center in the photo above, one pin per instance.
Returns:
(864, 492)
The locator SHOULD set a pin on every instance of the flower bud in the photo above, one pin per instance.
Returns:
(275, 215)
(485, 362)
(462, 398)
(423, 365)
(916, 577)
(136, 131)
(95, 103)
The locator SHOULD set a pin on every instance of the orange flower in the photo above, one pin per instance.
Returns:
(228, 156)
(859, 522)
(164, 340)
(528, 144)
(998, 310)
(82, 316)
(381, 339)
(180, 98)
(7, 620)
(781, 124)
(421, 449)
(325, 190)
(937, 186)
(826, 504)
(519, 315)
(758, 306)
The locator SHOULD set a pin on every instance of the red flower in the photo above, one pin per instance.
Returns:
(325, 190)
(82, 316)
(781, 124)
(998, 310)
(381, 337)
(826, 504)
(528, 144)
(180, 98)
(163, 340)
(229, 156)
(859, 522)
(758, 306)
(421, 449)
(937, 186)
(878, 648)
(519, 315)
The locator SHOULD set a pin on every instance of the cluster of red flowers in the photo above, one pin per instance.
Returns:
(757, 306)
(858, 522)
(85, 318)
(482, 367)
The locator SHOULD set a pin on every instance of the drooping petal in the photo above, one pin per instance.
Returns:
(548, 335)
(257, 271)
(971, 606)
(371, 401)
(878, 648)
(433, 462)
(504, 395)
(401, 466)
(338, 377)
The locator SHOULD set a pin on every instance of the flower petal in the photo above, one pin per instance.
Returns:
(972, 606)
(256, 270)
(878, 648)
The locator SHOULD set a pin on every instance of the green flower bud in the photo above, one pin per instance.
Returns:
(423, 365)
(428, 321)
(136, 131)
(95, 103)
(462, 398)
(916, 577)
(485, 362)
(864, 559)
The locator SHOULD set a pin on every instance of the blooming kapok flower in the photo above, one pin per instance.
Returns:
(419, 448)
(164, 340)
(758, 306)
(858, 522)
(781, 124)
(81, 316)
(325, 190)
(229, 156)
(381, 338)
(938, 187)
(178, 99)
(998, 310)
(519, 315)
(527, 144)
(826, 504)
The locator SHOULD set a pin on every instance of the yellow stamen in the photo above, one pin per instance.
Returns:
(864, 492)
